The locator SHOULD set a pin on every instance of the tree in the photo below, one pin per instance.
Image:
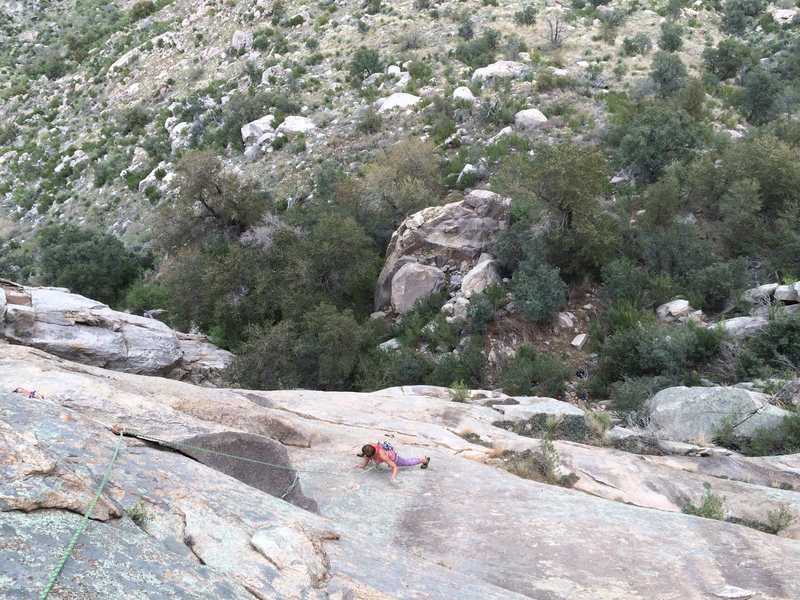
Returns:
(761, 89)
(668, 72)
(267, 360)
(739, 13)
(670, 40)
(90, 263)
(741, 223)
(213, 206)
(658, 136)
(727, 58)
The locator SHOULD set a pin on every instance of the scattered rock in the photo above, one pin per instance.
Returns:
(579, 341)
(241, 40)
(463, 93)
(529, 118)
(481, 276)
(673, 311)
(257, 128)
(397, 100)
(296, 124)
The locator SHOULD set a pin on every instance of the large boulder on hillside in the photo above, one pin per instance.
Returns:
(395, 101)
(257, 128)
(481, 276)
(530, 118)
(296, 124)
(500, 69)
(459, 231)
(697, 414)
(413, 282)
(89, 332)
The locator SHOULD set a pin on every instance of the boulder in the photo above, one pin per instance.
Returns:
(257, 128)
(760, 294)
(241, 40)
(530, 118)
(784, 15)
(481, 276)
(697, 414)
(742, 326)
(273, 72)
(459, 231)
(579, 341)
(463, 93)
(500, 69)
(674, 310)
(532, 406)
(397, 100)
(295, 124)
(89, 332)
(412, 282)
(788, 293)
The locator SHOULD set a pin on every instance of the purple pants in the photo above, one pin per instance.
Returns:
(407, 462)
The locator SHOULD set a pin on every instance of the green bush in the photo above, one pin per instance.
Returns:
(364, 63)
(638, 44)
(467, 367)
(378, 369)
(711, 505)
(144, 296)
(370, 121)
(90, 263)
(142, 9)
(629, 396)
(727, 58)
(479, 52)
(526, 16)
(538, 291)
(739, 14)
(668, 72)
(529, 370)
(670, 40)
(758, 98)
(267, 359)
(656, 137)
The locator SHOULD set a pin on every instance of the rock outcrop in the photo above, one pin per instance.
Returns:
(698, 414)
(452, 234)
(461, 529)
(89, 332)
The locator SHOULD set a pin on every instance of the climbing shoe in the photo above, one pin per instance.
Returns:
(425, 462)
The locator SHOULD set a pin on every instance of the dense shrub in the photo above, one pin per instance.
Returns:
(638, 44)
(670, 40)
(378, 369)
(90, 263)
(364, 63)
(479, 52)
(727, 58)
(142, 9)
(526, 16)
(629, 396)
(759, 94)
(538, 291)
(656, 137)
(668, 72)
(739, 14)
(467, 367)
(529, 370)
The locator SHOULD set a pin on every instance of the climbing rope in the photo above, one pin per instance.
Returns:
(84, 522)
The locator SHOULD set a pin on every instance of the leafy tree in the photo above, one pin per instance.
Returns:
(267, 360)
(758, 99)
(658, 136)
(668, 72)
(727, 58)
(142, 9)
(692, 98)
(526, 16)
(739, 14)
(213, 205)
(670, 40)
(741, 222)
(90, 263)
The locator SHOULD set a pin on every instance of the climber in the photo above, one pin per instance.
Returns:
(29, 393)
(384, 453)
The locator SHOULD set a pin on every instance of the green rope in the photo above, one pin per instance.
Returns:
(84, 522)
(168, 444)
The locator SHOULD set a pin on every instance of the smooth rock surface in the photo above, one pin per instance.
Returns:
(460, 529)
(413, 282)
(696, 414)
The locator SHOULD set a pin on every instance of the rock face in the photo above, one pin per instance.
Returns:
(80, 329)
(696, 414)
(460, 231)
(460, 529)
(412, 282)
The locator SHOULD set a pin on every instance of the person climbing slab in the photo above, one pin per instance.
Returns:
(29, 393)
(384, 453)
